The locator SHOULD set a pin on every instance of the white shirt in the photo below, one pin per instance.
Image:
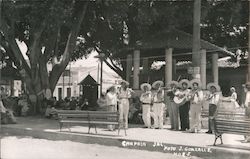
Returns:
(214, 99)
(124, 94)
(146, 97)
(233, 96)
(158, 96)
(2, 108)
(198, 97)
(247, 101)
(111, 98)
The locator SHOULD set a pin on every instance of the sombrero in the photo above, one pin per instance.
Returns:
(247, 85)
(157, 83)
(193, 81)
(233, 89)
(145, 85)
(123, 81)
(217, 87)
(172, 83)
(184, 81)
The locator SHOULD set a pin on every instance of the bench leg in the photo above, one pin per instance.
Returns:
(60, 125)
(95, 129)
(221, 139)
(69, 128)
(89, 129)
(216, 137)
(125, 131)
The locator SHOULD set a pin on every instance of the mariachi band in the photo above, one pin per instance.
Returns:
(183, 99)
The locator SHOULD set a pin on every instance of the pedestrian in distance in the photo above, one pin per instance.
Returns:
(146, 100)
(158, 104)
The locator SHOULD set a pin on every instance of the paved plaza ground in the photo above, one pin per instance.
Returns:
(154, 140)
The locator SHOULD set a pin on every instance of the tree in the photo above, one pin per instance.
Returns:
(50, 30)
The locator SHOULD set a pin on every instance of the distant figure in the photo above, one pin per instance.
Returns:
(85, 104)
(124, 94)
(23, 104)
(6, 115)
(102, 103)
(111, 99)
(196, 99)
(158, 104)
(73, 104)
(233, 98)
(146, 100)
(213, 99)
(247, 110)
(173, 109)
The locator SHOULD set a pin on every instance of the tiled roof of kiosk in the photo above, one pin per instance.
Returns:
(175, 38)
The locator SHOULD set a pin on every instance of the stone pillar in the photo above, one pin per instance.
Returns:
(168, 66)
(203, 69)
(145, 70)
(136, 70)
(174, 69)
(145, 65)
(215, 68)
(129, 67)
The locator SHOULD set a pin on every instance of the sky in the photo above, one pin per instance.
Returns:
(89, 62)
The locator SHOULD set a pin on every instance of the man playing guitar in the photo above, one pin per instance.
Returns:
(181, 99)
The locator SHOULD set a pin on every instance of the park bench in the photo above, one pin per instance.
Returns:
(90, 118)
(224, 114)
(230, 126)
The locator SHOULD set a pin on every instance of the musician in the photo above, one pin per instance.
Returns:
(173, 109)
(158, 104)
(124, 94)
(213, 98)
(247, 108)
(146, 99)
(111, 101)
(184, 107)
(196, 99)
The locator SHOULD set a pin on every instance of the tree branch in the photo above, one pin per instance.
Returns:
(58, 69)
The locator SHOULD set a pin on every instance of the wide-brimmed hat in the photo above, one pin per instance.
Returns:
(232, 89)
(247, 85)
(157, 83)
(184, 81)
(172, 83)
(216, 86)
(145, 85)
(197, 81)
(125, 82)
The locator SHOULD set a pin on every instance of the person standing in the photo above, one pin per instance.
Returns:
(173, 109)
(124, 94)
(214, 99)
(111, 99)
(158, 104)
(184, 105)
(234, 98)
(196, 100)
(146, 99)
(247, 108)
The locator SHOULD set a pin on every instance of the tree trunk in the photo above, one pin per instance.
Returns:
(248, 62)
(196, 37)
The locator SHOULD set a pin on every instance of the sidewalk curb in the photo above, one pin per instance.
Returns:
(183, 150)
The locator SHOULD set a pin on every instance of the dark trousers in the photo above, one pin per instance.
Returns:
(211, 111)
(184, 115)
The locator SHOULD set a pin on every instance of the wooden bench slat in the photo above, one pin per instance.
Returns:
(238, 128)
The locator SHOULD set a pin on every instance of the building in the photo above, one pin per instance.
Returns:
(68, 84)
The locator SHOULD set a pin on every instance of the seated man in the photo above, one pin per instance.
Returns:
(7, 116)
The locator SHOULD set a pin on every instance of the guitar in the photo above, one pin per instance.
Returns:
(180, 99)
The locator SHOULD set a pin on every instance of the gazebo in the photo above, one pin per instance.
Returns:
(171, 46)
(89, 87)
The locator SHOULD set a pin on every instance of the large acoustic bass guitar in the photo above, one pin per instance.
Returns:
(180, 99)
